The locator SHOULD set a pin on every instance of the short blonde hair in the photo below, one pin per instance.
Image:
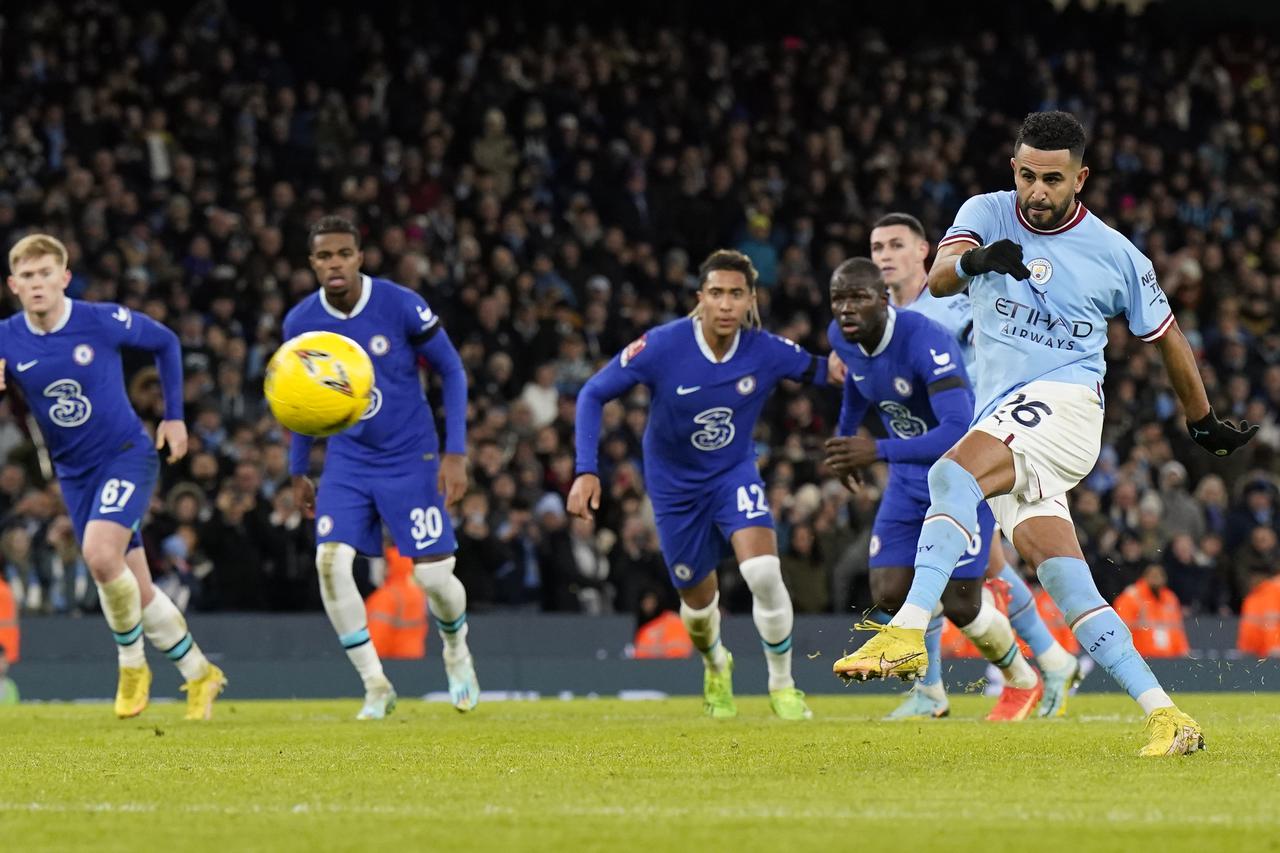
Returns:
(37, 246)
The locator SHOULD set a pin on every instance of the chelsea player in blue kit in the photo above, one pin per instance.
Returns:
(387, 468)
(899, 248)
(1044, 276)
(709, 376)
(910, 370)
(65, 357)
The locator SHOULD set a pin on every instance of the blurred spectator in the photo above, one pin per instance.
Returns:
(551, 191)
(1154, 615)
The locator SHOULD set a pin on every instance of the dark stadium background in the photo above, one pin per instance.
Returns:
(163, 146)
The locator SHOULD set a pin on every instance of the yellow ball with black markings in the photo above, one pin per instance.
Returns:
(319, 383)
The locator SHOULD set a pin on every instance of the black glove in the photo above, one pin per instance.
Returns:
(1002, 256)
(1219, 437)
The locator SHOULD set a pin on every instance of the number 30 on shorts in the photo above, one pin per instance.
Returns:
(115, 494)
(428, 524)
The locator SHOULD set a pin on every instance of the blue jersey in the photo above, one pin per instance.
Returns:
(953, 313)
(394, 325)
(915, 379)
(1053, 326)
(73, 379)
(702, 412)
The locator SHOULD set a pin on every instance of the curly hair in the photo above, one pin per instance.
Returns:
(1052, 131)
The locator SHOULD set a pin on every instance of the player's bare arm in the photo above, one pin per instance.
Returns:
(1219, 437)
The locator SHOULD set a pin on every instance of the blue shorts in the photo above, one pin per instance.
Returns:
(352, 506)
(694, 530)
(118, 489)
(896, 532)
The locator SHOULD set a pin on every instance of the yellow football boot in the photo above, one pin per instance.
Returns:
(134, 691)
(202, 691)
(893, 651)
(1171, 732)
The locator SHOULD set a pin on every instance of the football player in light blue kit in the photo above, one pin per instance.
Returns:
(388, 467)
(1044, 276)
(899, 249)
(910, 370)
(64, 355)
(708, 376)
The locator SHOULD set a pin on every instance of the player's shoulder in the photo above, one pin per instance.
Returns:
(662, 338)
(1101, 233)
(102, 313)
(305, 307)
(910, 326)
(772, 340)
(391, 291)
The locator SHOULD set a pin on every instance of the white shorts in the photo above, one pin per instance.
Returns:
(1055, 432)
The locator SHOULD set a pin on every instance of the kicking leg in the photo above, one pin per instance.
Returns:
(164, 627)
(927, 699)
(103, 549)
(447, 600)
(1049, 542)
(345, 608)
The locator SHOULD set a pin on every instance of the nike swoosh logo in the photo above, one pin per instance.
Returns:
(425, 543)
(27, 365)
(857, 378)
(107, 510)
(681, 390)
(887, 665)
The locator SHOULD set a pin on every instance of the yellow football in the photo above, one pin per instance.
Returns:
(319, 383)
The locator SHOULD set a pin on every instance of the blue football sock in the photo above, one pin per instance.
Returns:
(945, 535)
(1095, 624)
(1023, 614)
(933, 645)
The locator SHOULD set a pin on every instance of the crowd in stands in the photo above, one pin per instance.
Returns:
(550, 190)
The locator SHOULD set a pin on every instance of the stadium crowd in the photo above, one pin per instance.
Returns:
(551, 190)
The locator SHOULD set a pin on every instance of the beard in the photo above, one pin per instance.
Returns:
(1057, 214)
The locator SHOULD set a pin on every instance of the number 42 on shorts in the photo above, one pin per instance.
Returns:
(751, 500)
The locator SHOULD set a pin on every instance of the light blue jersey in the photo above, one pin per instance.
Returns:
(953, 313)
(1053, 326)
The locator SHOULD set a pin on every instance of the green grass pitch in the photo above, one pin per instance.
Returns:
(613, 775)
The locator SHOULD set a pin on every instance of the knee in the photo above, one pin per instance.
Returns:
(334, 560)
(102, 561)
(950, 482)
(763, 574)
(435, 573)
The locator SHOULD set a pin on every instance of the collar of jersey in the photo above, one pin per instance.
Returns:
(1072, 221)
(706, 347)
(366, 290)
(58, 326)
(886, 337)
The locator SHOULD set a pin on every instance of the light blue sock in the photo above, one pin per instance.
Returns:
(943, 539)
(933, 645)
(1023, 614)
(1096, 625)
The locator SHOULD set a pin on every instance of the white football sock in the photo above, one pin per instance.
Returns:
(773, 614)
(911, 616)
(447, 600)
(1055, 658)
(991, 632)
(165, 628)
(122, 605)
(1154, 699)
(703, 626)
(345, 607)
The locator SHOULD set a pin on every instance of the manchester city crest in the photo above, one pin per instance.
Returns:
(1041, 270)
